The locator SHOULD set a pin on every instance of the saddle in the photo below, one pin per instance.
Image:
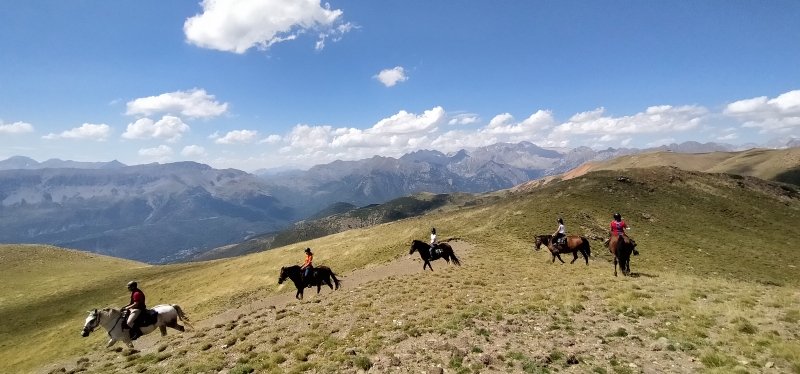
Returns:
(561, 241)
(148, 317)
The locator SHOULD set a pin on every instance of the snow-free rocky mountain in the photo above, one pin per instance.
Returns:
(148, 213)
(161, 212)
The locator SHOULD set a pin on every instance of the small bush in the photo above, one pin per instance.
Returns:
(242, 369)
(717, 360)
(362, 363)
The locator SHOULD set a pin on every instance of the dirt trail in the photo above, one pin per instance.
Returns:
(405, 265)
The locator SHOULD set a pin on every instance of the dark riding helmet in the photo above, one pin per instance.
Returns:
(561, 221)
(308, 250)
(132, 284)
(617, 216)
(433, 230)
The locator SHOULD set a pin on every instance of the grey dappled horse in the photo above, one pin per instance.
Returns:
(110, 319)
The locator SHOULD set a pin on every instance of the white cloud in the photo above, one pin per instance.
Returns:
(503, 124)
(215, 135)
(86, 131)
(660, 142)
(656, 119)
(238, 25)
(168, 127)
(731, 136)
(272, 139)
(160, 153)
(193, 103)
(15, 128)
(238, 137)
(464, 119)
(390, 77)
(781, 114)
(397, 132)
(193, 151)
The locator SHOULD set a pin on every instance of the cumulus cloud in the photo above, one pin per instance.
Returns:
(238, 25)
(730, 136)
(656, 119)
(390, 77)
(503, 124)
(159, 151)
(272, 139)
(463, 119)
(194, 103)
(193, 151)
(15, 128)
(781, 114)
(168, 127)
(238, 137)
(88, 131)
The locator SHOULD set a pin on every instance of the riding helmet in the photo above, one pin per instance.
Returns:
(433, 230)
(308, 250)
(617, 216)
(561, 221)
(132, 284)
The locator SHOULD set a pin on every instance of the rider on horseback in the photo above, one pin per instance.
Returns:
(618, 226)
(432, 249)
(307, 268)
(135, 309)
(560, 233)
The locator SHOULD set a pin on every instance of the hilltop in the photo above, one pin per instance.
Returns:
(778, 165)
(708, 242)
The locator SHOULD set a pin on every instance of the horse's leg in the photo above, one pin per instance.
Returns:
(586, 256)
(163, 330)
(574, 253)
(111, 342)
(130, 344)
(554, 257)
(328, 282)
(559, 258)
(319, 287)
(615, 266)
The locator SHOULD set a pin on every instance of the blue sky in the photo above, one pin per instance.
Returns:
(264, 83)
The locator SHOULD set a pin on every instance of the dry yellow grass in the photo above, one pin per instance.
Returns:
(716, 257)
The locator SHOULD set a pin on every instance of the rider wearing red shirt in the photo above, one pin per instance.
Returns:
(136, 306)
(618, 226)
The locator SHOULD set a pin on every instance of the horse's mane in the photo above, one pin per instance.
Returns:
(418, 242)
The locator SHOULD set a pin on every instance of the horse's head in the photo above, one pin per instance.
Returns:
(92, 322)
(539, 241)
(414, 245)
(283, 275)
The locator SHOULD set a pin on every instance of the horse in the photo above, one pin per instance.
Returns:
(423, 248)
(319, 275)
(575, 244)
(111, 319)
(622, 251)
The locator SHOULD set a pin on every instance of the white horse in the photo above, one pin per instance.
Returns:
(111, 320)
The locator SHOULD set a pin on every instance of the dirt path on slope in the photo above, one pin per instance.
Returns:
(405, 265)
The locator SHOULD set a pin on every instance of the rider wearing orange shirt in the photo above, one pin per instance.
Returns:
(307, 265)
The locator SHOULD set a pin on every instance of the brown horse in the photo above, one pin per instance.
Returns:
(575, 244)
(319, 275)
(443, 250)
(622, 250)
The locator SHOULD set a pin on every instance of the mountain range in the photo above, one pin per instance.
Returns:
(159, 213)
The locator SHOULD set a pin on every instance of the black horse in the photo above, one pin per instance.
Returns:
(318, 276)
(443, 250)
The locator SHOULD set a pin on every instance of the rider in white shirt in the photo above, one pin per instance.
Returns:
(433, 242)
(561, 231)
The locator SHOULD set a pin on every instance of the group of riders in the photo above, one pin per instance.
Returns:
(137, 303)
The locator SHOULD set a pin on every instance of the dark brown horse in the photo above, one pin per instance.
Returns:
(574, 244)
(443, 250)
(622, 250)
(319, 275)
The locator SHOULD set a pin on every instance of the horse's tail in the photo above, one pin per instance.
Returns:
(453, 256)
(335, 281)
(588, 246)
(182, 316)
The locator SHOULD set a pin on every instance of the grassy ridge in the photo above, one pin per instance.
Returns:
(397, 209)
(699, 225)
(769, 164)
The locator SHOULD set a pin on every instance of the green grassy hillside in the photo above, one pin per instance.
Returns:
(778, 165)
(718, 253)
(368, 216)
